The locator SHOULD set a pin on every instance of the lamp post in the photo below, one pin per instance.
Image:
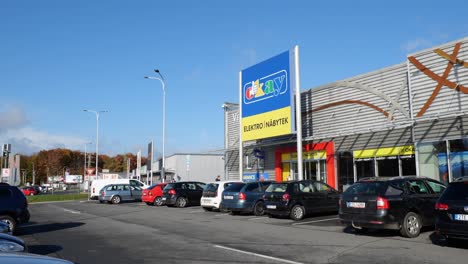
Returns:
(97, 134)
(163, 82)
(84, 171)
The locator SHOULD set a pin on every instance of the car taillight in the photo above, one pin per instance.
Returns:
(94, 190)
(382, 203)
(171, 192)
(241, 196)
(285, 197)
(441, 206)
(215, 194)
(150, 193)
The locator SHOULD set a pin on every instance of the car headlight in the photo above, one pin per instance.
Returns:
(9, 246)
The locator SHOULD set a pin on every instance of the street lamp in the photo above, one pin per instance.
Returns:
(84, 172)
(97, 134)
(163, 82)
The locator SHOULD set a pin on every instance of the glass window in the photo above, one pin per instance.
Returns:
(211, 187)
(459, 158)
(432, 160)
(277, 187)
(227, 184)
(365, 168)
(111, 188)
(367, 188)
(345, 169)
(253, 187)
(200, 185)
(436, 187)
(408, 165)
(125, 187)
(322, 187)
(264, 185)
(388, 166)
(417, 187)
(169, 186)
(306, 187)
(456, 191)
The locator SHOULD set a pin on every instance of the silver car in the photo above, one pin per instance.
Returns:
(116, 193)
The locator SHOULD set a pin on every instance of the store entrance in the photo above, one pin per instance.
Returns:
(312, 170)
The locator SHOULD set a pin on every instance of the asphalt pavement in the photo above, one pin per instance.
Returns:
(89, 232)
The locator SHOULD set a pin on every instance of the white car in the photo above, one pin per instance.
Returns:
(212, 194)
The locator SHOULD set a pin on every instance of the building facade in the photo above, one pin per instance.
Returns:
(407, 119)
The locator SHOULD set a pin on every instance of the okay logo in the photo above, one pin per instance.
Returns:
(266, 87)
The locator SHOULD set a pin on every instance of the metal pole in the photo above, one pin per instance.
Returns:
(241, 146)
(298, 114)
(163, 171)
(97, 143)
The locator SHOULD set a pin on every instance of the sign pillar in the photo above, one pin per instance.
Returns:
(298, 114)
(241, 149)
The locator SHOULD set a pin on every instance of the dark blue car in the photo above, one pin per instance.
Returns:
(245, 197)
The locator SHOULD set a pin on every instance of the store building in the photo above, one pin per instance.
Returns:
(407, 119)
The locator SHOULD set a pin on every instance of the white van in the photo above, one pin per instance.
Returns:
(97, 185)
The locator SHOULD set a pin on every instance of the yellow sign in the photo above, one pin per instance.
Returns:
(309, 155)
(384, 152)
(265, 125)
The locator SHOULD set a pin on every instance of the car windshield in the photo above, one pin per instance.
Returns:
(456, 191)
(367, 188)
(277, 187)
(211, 187)
(235, 187)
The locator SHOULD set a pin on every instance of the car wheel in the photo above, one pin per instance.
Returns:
(116, 199)
(258, 209)
(10, 222)
(158, 201)
(297, 212)
(207, 209)
(181, 202)
(411, 226)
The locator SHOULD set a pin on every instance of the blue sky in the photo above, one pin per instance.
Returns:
(59, 57)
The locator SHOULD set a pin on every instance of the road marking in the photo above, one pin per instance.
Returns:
(258, 255)
(316, 221)
(197, 211)
(221, 214)
(71, 211)
(256, 218)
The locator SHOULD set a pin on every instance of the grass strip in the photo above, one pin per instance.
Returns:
(57, 197)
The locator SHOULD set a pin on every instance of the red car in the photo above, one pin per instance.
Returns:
(29, 191)
(152, 195)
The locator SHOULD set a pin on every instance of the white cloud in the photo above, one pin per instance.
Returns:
(416, 44)
(12, 118)
(27, 140)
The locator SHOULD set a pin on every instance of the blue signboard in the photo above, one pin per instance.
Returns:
(251, 177)
(267, 98)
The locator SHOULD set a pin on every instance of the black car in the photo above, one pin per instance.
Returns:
(13, 206)
(182, 194)
(298, 198)
(245, 197)
(452, 210)
(398, 203)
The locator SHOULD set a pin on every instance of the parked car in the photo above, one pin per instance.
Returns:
(97, 185)
(153, 194)
(212, 194)
(296, 199)
(399, 203)
(182, 194)
(116, 193)
(245, 197)
(452, 210)
(13, 206)
(9, 243)
(29, 191)
(25, 258)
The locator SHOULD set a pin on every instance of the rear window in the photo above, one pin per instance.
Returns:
(235, 187)
(211, 187)
(277, 187)
(456, 191)
(5, 193)
(367, 188)
(170, 186)
(152, 187)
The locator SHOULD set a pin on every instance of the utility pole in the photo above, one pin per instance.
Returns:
(33, 175)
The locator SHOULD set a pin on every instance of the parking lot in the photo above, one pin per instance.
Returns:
(89, 232)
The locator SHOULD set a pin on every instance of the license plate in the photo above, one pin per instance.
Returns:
(271, 206)
(164, 198)
(228, 197)
(206, 201)
(355, 205)
(460, 217)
